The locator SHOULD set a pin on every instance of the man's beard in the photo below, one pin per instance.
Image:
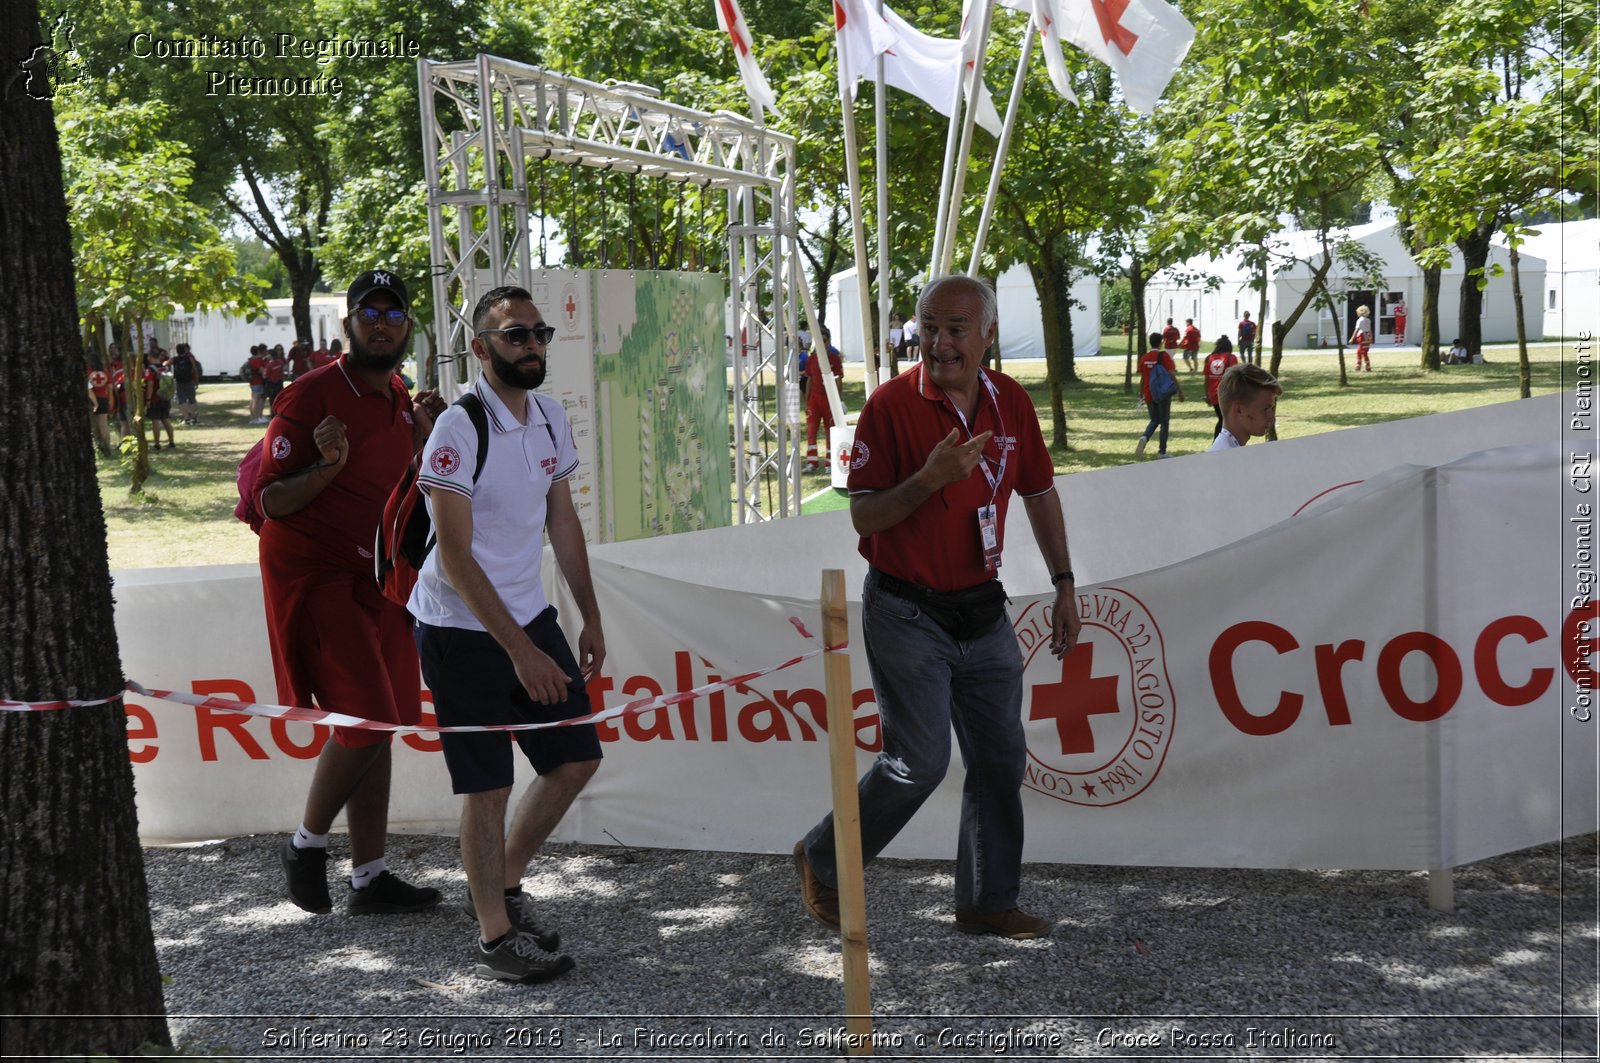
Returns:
(512, 375)
(362, 358)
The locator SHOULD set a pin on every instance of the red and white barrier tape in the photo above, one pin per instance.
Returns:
(7, 705)
(339, 719)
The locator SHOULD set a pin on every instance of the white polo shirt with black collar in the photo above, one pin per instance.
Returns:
(508, 503)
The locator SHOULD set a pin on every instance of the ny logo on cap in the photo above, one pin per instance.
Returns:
(381, 278)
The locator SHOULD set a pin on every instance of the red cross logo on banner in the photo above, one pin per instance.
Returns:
(1109, 14)
(1078, 696)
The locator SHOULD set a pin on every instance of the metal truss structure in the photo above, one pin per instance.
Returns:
(485, 120)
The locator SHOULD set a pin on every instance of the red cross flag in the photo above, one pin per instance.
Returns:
(731, 21)
(1144, 41)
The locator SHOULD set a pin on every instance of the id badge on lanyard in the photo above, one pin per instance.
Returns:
(988, 515)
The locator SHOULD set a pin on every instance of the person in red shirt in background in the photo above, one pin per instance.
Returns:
(326, 355)
(818, 412)
(157, 407)
(300, 359)
(272, 371)
(1247, 338)
(1160, 412)
(99, 383)
(1399, 323)
(119, 393)
(1217, 363)
(1191, 344)
(255, 372)
(1170, 337)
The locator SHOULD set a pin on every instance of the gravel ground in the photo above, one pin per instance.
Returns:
(691, 955)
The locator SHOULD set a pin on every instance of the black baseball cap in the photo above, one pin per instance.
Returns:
(377, 280)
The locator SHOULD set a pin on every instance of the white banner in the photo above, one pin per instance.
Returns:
(1375, 682)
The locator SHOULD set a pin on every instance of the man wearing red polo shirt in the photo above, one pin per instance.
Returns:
(939, 451)
(341, 438)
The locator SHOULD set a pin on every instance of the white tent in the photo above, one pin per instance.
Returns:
(1181, 292)
(1571, 293)
(1021, 323)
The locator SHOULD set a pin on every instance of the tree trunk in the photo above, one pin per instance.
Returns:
(1261, 313)
(1069, 350)
(1526, 376)
(303, 277)
(1136, 285)
(1429, 339)
(133, 370)
(1044, 282)
(78, 970)
(1474, 249)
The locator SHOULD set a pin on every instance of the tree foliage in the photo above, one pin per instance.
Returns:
(141, 245)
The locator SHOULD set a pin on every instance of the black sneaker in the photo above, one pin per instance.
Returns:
(388, 895)
(517, 959)
(519, 909)
(306, 871)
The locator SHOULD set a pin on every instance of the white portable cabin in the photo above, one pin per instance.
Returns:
(1181, 292)
(1570, 296)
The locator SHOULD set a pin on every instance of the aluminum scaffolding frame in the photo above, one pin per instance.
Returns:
(485, 119)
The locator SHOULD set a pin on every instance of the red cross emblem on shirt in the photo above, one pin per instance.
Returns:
(1079, 695)
(445, 461)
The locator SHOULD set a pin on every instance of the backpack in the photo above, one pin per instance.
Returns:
(1162, 384)
(245, 372)
(166, 387)
(183, 369)
(405, 534)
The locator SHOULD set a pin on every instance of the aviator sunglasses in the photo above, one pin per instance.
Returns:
(517, 335)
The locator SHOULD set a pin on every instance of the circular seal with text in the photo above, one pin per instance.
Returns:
(1099, 721)
(281, 448)
(445, 461)
(856, 456)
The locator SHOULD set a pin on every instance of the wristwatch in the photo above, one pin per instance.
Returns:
(1064, 576)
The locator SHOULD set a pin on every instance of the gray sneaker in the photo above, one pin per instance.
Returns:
(519, 909)
(518, 958)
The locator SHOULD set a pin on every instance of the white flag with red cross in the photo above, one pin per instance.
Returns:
(730, 19)
(1144, 41)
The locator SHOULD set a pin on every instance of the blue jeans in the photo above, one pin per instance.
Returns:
(925, 682)
(1160, 414)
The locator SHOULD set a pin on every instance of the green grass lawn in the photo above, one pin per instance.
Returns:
(185, 516)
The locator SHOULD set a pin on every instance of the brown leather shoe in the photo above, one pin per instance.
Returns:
(822, 902)
(1013, 923)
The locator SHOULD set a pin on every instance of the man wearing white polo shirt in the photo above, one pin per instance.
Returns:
(491, 650)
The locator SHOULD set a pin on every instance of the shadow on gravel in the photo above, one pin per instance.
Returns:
(680, 951)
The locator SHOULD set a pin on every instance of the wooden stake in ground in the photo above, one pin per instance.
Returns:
(846, 816)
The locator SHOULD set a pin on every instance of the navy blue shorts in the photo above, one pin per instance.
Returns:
(474, 684)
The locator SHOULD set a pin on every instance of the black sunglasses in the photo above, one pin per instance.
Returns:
(394, 317)
(517, 335)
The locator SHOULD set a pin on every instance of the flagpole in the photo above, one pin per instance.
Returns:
(884, 271)
(959, 181)
(1004, 147)
(951, 138)
(852, 168)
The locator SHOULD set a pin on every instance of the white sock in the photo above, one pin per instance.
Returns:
(304, 839)
(361, 877)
